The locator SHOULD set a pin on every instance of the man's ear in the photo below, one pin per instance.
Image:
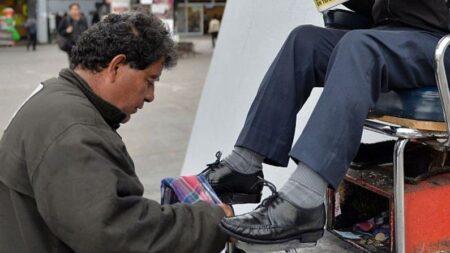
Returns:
(114, 65)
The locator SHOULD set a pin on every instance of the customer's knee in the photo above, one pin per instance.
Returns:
(304, 30)
(306, 36)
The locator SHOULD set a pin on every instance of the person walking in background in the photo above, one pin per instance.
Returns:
(71, 28)
(30, 25)
(214, 26)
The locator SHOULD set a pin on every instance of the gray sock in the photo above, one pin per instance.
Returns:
(305, 188)
(244, 161)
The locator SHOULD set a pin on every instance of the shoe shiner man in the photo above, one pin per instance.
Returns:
(67, 183)
(354, 67)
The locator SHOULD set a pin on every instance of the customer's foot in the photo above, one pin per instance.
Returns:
(276, 225)
(233, 187)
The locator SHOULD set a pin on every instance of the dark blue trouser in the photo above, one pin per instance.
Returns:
(354, 67)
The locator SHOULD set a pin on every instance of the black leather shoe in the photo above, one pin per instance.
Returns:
(276, 225)
(233, 187)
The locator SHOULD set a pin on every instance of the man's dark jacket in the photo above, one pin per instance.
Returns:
(67, 183)
(431, 15)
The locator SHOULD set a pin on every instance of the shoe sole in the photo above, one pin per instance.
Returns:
(304, 240)
(239, 198)
(289, 246)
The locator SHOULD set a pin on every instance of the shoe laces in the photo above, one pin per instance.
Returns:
(215, 164)
(269, 200)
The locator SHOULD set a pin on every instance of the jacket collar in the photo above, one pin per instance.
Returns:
(111, 114)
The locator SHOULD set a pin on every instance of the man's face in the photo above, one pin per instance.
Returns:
(132, 87)
(74, 12)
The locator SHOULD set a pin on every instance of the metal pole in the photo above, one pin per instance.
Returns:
(229, 247)
(399, 195)
(186, 18)
(441, 79)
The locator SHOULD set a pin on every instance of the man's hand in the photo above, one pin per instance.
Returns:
(227, 210)
(69, 29)
(228, 213)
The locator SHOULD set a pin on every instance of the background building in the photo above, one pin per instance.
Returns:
(47, 13)
(184, 17)
(20, 8)
(192, 16)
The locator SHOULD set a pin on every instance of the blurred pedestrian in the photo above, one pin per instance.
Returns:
(31, 27)
(214, 26)
(71, 28)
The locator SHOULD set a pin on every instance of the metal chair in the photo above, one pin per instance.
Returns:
(428, 122)
(433, 133)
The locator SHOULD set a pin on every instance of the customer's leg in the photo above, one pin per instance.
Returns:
(364, 64)
(299, 67)
(269, 128)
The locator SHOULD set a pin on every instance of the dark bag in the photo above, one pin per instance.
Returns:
(64, 43)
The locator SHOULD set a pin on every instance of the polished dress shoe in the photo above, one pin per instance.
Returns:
(233, 187)
(276, 225)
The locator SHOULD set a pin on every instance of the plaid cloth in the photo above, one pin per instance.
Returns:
(187, 190)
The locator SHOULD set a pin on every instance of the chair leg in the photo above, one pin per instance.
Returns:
(399, 195)
(229, 247)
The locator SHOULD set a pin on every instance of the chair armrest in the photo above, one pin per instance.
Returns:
(347, 20)
(442, 82)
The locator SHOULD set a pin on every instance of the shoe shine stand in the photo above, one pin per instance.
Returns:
(426, 210)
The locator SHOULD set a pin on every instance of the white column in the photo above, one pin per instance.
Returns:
(41, 18)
